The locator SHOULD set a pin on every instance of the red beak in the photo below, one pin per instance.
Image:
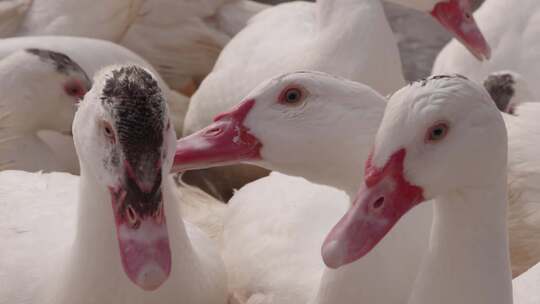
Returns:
(456, 16)
(226, 141)
(384, 198)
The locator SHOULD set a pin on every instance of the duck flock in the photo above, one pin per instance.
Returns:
(234, 152)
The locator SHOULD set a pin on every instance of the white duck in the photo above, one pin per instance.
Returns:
(94, 19)
(38, 91)
(348, 38)
(297, 214)
(11, 15)
(524, 181)
(91, 55)
(432, 144)
(182, 39)
(510, 92)
(511, 28)
(467, 260)
(85, 249)
(321, 110)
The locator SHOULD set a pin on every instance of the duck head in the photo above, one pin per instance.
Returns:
(41, 91)
(418, 155)
(124, 139)
(294, 123)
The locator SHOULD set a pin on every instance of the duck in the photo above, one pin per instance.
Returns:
(347, 38)
(275, 115)
(40, 89)
(303, 105)
(513, 96)
(11, 15)
(85, 245)
(513, 43)
(431, 135)
(105, 20)
(182, 39)
(524, 177)
(311, 45)
(89, 55)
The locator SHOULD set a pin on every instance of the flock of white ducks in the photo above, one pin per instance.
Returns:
(300, 90)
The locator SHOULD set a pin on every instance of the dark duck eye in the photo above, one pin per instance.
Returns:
(108, 131)
(292, 96)
(437, 132)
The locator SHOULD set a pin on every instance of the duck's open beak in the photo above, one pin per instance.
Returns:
(381, 201)
(141, 229)
(226, 141)
(456, 16)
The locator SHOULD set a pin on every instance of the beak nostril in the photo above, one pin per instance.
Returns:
(158, 214)
(213, 132)
(378, 203)
(132, 217)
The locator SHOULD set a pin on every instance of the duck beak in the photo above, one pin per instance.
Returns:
(457, 17)
(381, 201)
(226, 141)
(141, 228)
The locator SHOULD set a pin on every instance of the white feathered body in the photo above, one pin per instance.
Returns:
(352, 40)
(512, 28)
(38, 224)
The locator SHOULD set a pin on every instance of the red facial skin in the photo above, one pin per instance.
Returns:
(226, 141)
(456, 16)
(75, 88)
(383, 199)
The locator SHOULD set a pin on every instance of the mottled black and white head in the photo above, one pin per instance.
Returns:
(508, 89)
(125, 142)
(39, 89)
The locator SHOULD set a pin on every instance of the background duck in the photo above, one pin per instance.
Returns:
(181, 39)
(351, 39)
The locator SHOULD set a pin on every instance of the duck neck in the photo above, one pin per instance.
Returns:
(358, 29)
(468, 259)
(344, 169)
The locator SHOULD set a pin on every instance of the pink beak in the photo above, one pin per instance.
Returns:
(384, 198)
(456, 16)
(143, 238)
(226, 141)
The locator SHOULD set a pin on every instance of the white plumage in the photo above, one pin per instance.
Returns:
(181, 39)
(514, 43)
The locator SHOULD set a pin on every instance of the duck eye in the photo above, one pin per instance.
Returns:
(292, 96)
(75, 89)
(437, 132)
(108, 131)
